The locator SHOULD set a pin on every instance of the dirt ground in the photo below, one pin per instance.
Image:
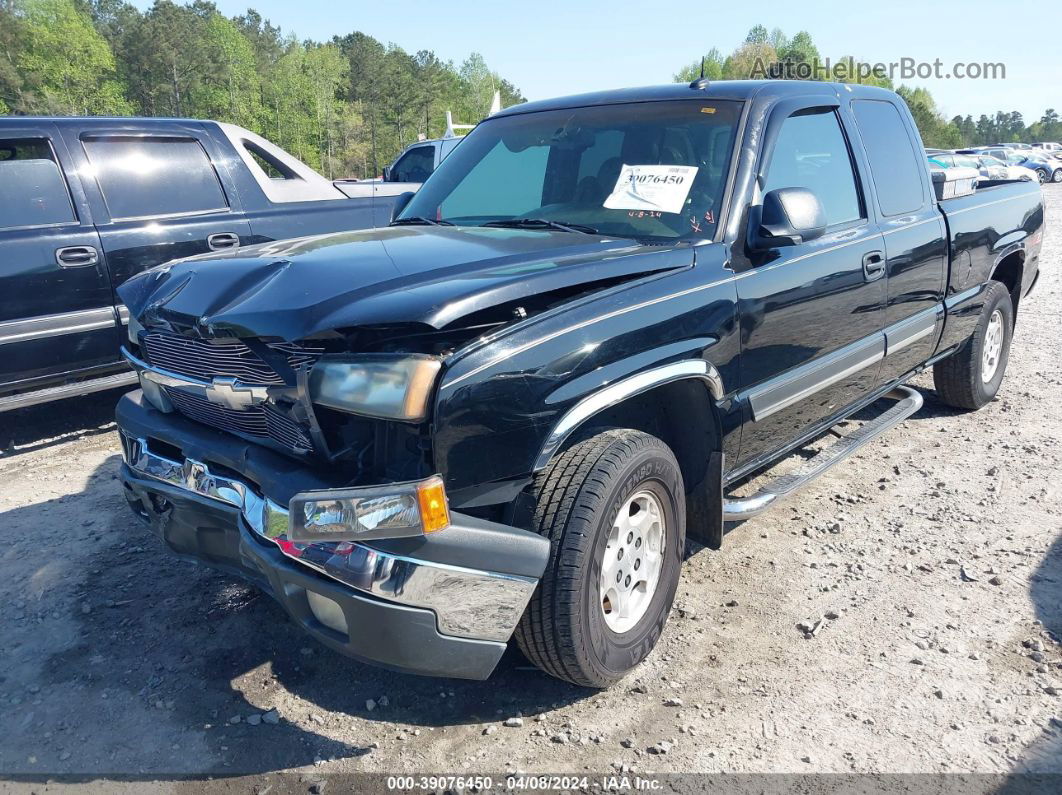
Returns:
(936, 552)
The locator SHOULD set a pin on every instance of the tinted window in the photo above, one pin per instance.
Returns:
(811, 153)
(415, 165)
(478, 197)
(32, 189)
(154, 176)
(895, 172)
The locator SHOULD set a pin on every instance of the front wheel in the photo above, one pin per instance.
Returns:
(971, 377)
(1057, 176)
(1042, 175)
(613, 508)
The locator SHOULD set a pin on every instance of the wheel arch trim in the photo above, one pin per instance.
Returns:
(617, 392)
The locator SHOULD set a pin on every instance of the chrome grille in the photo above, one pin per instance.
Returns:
(206, 360)
(261, 422)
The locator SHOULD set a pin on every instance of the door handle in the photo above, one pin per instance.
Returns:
(222, 241)
(76, 256)
(873, 265)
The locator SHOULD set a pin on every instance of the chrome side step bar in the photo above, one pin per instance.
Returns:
(908, 401)
(75, 389)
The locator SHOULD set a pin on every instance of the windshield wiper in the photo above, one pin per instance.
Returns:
(418, 220)
(541, 223)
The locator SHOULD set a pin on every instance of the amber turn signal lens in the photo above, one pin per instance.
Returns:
(434, 515)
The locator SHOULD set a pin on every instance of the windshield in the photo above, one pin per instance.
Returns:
(646, 170)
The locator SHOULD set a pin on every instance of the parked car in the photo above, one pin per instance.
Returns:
(418, 160)
(1049, 146)
(500, 417)
(86, 203)
(1010, 172)
(989, 168)
(1045, 171)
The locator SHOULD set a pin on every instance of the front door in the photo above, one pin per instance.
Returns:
(56, 312)
(813, 313)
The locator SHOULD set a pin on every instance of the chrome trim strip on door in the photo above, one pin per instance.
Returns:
(55, 325)
(908, 331)
(621, 390)
(807, 379)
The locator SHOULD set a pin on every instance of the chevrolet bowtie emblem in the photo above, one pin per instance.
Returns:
(229, 392)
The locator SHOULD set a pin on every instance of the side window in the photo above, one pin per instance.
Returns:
(270, 166)
(811, 152)
(142, 177)
(415, 165)
(889, 149)
(33, 191)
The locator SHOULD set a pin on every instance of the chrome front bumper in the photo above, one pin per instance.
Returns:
(467, 603)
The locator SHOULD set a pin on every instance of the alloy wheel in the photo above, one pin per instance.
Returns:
(633, 558)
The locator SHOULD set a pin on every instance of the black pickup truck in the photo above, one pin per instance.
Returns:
(85, 203)
(574, 345)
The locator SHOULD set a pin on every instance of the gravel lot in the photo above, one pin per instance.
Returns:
(933, 560)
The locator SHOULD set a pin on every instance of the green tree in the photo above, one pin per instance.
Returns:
(79, 79)
(935, 131)
(799, 57)
(231, 90)
(757, 35)
(713, 68)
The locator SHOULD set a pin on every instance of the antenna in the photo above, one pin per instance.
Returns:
(702, 81)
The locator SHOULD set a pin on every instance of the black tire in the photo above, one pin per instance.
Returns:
(1042, 175)
(1057, 176)
(564, 631)
(958, 378)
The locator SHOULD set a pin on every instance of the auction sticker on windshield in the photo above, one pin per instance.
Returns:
(661, 188)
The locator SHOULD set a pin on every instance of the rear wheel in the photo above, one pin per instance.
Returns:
(1042, 175)
(971, 377)
(1057, 176)
(613, 507)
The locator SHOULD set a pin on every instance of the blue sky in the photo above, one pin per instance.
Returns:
(552, 48)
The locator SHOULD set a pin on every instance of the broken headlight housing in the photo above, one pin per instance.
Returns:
(384, 385)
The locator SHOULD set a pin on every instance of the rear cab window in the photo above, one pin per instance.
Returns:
(144, 177)
(33, 191)
(892, 156)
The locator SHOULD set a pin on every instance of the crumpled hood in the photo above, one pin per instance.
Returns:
(432, 275)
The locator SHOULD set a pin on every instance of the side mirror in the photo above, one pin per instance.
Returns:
(401, 200)
(387, 174)
(788, 216)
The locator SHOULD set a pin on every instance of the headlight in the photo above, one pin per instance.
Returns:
(390, 386)
(396, 510)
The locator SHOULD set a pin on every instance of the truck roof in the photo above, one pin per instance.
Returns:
(713, 89)
(145, 121)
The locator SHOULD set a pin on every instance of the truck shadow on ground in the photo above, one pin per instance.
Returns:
(38, 427)
(185, 646)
